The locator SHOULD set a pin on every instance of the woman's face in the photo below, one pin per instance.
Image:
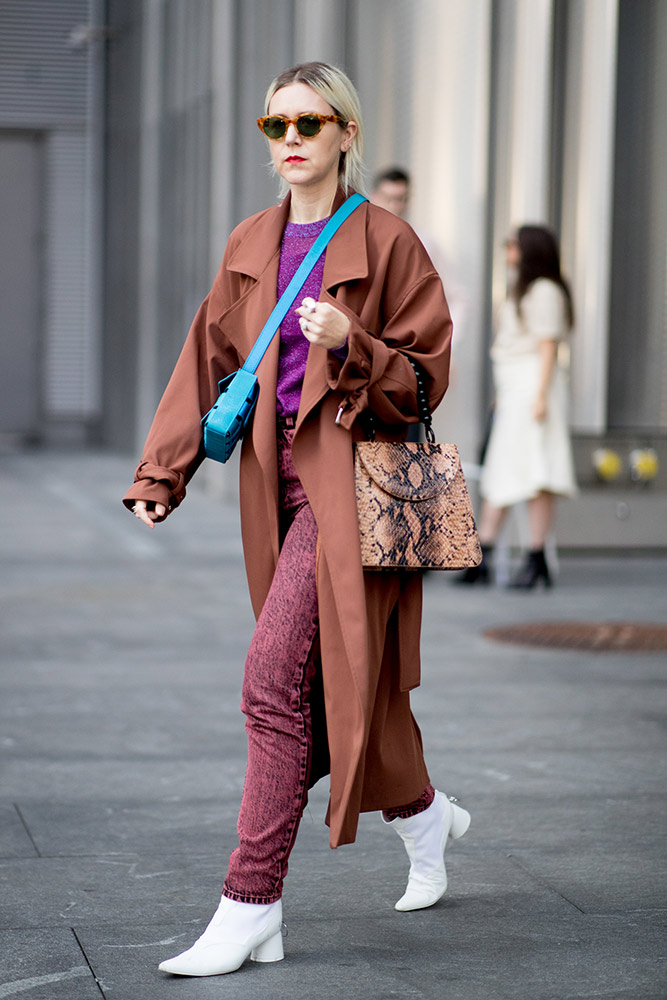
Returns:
(307, 162)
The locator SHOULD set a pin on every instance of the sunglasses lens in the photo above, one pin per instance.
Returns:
(274, 127)
(308, 125)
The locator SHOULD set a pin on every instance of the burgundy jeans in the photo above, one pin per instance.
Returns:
(281, 692)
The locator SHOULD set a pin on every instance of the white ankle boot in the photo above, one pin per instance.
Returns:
(425, 838)
(236, 932)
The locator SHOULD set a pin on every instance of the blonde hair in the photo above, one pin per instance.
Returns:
(337, 89)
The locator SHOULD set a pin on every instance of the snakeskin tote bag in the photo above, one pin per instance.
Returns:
(413, 503)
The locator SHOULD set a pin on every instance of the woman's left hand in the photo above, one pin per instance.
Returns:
(323, 324)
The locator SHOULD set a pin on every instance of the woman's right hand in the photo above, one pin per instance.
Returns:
(149, 516)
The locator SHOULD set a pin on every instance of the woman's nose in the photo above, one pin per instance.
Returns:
(291, 135)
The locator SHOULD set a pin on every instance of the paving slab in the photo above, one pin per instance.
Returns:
(561, 774)
(75, 892)
(71, 779)
(123, 755)
(426, 956)
(128, 827)
(43, 966)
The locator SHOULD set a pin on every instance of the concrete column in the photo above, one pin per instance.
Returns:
(587, 199)
(222, 480)
(530, 125)
(385, 74)
(522, 124)
(95, 212)
(147, 388)
(319, 31)
(223, 125)
(448, 159)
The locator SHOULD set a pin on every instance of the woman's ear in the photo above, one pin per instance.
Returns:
(349, 133)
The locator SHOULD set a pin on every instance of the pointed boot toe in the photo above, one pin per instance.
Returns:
(204, 959)
(423, 892)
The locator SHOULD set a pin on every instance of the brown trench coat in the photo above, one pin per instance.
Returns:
(377, 272)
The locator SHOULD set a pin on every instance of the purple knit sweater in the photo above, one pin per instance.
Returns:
(296, 242)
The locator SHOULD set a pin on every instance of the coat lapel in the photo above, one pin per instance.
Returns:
(261, 242)
(347, 257)
(257, 258)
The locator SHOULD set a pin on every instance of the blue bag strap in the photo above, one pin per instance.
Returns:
(298, 281)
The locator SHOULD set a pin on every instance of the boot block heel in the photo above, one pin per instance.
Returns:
(460, 821)
(270, 950)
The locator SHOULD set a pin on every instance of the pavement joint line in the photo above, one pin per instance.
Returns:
(547, 885)
(83, 952)
(27, 829)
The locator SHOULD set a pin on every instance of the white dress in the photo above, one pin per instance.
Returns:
(524, 455)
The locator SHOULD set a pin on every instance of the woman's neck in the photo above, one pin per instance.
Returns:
(311, 206)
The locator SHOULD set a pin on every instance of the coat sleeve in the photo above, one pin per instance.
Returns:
(174, 446)
(411, 319)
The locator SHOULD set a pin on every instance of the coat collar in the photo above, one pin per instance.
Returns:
(346, 255)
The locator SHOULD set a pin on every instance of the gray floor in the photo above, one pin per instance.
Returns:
(123, 756)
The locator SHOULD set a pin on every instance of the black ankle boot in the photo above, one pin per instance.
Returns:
(533, 571)
(481, 573)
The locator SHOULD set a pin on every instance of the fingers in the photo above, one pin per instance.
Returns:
(310, 331)
(309, 321)
(306, 312)
(323, 324)
(141, 511)
(149, 517)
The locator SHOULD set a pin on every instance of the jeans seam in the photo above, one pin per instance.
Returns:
(296, 705)
(287, 842)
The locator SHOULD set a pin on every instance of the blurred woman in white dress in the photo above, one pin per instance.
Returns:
(528, 456)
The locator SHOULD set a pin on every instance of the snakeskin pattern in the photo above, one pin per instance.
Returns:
(414, 507)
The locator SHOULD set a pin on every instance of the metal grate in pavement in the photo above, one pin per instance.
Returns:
(612, 637)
